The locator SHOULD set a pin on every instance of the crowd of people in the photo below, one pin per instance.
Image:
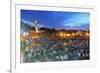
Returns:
(47, 50)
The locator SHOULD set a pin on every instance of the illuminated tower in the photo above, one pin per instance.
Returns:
(36, 26)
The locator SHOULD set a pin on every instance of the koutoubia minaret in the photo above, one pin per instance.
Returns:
(36, 26)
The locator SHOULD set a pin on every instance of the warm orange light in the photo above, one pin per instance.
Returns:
(61, 34)
(64, 34)
(77, 33)
(73, 34)
(67, 35)
(87, 34)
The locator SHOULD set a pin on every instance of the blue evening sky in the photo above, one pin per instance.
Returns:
(57, 20)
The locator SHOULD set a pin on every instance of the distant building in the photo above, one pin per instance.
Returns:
(36, 26)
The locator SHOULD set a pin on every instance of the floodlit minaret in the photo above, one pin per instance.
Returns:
(36, 26)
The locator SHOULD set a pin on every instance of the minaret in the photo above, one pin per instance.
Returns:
(36, 26)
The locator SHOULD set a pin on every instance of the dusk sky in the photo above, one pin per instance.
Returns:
(57, 20)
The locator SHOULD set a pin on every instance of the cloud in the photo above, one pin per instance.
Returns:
(32, 24)
(25, 21)
(76, 20)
